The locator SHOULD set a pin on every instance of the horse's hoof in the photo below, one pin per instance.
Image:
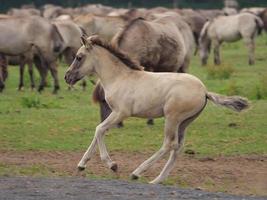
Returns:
(40, 89)
(80, 168)
(114, 167)
(150, 122)
(120, 125)
(134, 177)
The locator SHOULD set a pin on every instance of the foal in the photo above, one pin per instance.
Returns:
(130, 91)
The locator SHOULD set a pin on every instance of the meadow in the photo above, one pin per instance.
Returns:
(33, 122)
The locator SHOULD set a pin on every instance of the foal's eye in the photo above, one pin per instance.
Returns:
(78, 58)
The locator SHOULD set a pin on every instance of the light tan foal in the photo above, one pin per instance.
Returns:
(130, 91)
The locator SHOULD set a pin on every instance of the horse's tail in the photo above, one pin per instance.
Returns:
(259, 24)
(204, 31)
(235, 103)
(98, 93)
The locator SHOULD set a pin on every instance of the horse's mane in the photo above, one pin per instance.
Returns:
(119, 36)
(116, 52)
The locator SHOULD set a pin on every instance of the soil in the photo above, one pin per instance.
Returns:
(238, 175)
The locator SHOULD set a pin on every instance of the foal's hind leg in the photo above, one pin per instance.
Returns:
(170, 142)
(174, 153)
(111, 121)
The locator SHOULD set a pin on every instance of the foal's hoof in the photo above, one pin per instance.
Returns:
(134, 177)
(114, 167)
(80, 168)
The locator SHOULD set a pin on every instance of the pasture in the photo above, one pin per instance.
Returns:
(46, 134)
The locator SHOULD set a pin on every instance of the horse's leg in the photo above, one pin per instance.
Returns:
(3, 67)
(42, 69)
(54, 73)
(84, 84)
(30, 70)
(170, 142)
(21, 74)
(111, 121)
(217, 60)
(250, 43)
(174, 153)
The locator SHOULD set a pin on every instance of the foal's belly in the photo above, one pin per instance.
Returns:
(147, 111)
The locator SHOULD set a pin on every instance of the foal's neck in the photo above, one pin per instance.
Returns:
(109, 68)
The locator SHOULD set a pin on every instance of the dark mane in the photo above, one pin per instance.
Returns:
(118, 38)
(116, 52)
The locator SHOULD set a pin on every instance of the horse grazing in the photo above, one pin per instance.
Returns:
(229, 29)
(130, 91)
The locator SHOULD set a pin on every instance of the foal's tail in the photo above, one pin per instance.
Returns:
(235, 103)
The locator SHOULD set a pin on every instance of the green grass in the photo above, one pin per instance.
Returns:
(66, 122)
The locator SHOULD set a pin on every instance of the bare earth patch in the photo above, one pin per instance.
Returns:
(241, 175)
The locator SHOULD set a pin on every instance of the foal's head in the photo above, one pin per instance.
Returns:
(83, 63)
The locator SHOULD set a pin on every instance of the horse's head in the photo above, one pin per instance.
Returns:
(204, 44)
(83, 64)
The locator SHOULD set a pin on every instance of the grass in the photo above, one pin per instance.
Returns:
(66, 122)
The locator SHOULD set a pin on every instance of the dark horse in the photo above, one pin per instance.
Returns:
(157, 45)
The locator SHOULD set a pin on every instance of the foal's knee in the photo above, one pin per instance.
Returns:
(100, 130)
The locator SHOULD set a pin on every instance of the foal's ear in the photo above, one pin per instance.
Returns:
(85, 42)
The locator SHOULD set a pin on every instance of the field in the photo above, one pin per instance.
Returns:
(46, 134)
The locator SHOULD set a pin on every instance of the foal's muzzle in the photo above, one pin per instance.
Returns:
(72, 77)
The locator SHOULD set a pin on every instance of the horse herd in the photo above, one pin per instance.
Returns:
(160, 39)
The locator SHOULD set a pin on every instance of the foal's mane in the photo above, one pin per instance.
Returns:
(117, 53)
(119, 36)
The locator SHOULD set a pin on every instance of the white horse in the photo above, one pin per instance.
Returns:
(229, 29)
(130, 91)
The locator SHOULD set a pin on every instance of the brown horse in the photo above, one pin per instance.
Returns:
(130, 91)
(164, 44)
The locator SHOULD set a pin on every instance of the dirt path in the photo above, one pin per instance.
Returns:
(77, 188)
(246, 175)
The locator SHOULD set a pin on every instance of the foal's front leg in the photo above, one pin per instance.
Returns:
(111, 121)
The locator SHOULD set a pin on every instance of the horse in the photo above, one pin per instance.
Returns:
(229, 29)
(164, 44)
(37, 36)
(132, 92)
